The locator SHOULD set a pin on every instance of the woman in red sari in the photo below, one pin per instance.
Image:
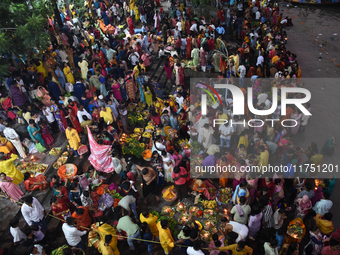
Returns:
(181, 75)
(129, 21)
(74, 120)
(34, 183)
(59, 208)
(63, 114)
(189, 46)
(102, 58)
(6, 104)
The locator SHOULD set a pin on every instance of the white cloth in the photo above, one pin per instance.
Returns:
(242, 71)
(72, 234)
(34, 213)
(323, 206)
(179, 25)
(39, 249)
(179, 100)
(80, 115)
(134, 57)
(17, 234)
(49, 115)
(257, 15)
(126, 201)
(226, 130)
(191, 251)
(193, 28)
(240, 229)
(269, 250)
(261, 98)
(260, 60)
(11, 135)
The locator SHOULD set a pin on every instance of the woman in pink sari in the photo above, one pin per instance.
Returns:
(278, 193)
(7, 186)
(130, 25)
(284, 142)
(116, 90)
(45, 97)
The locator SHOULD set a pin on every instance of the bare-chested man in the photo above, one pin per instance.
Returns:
(149, 176)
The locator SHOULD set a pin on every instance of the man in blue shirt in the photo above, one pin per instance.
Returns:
(79, 89)
(220, 30)
(160, 92)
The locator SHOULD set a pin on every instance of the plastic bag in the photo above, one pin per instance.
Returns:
(39, 147)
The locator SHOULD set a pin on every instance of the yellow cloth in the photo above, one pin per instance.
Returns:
(275, 58)
(223, 116)
(27, 116)
(325, 226)
(107, 115)
(151, 221)
(132, 5)
(104, 230)
(246, 251)
(105, 250)
(243, 140)
(7, 146)
(41, 69)
(7, 167)
(264, 157)
(69, 75)
(165, 238)
(73, 138)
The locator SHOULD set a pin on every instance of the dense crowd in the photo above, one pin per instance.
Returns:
(84, 85)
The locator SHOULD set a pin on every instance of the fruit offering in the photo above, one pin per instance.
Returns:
(55, 151)
(295, 231)
(208, 225)
(180, 207)
(62, 160)
(206, 236)
(183, 218)
(225, 195)
(209, 204)
(208, 213)
(57, 165)
(168, 211)
(65, 154)
(147, 135)
(195, 211)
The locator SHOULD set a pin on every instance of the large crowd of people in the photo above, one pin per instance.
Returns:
(83, 86)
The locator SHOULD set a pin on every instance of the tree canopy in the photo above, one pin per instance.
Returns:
(23, 26)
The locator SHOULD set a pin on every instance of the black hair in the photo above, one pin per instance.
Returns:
(164, 224)
(27, 175)
(216, 240)
(186, 231)
(28, 199)
(69, 220)
(80, 211)
(197, 245)
(328, 216)
(241, 244)
(193, 234)
(108, 238)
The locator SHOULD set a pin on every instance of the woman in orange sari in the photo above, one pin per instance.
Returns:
(299, 223)
(251, 72)
(34, 183)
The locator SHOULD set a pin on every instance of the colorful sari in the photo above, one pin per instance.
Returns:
(75, 123)
(60, 210)
(291, 239)
(40, 178)
(328, 147)
(6, 104)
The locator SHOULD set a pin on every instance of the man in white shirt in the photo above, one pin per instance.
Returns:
(270, 248)
(279, 217)
(12, 136)
(129, 203)
(324, 205)
(193, 28)
(81, 112)
(226, 132)
(33, 212)
(134, 58)
(72, 234)
(257, 15)
(109, 53)
(179, 99)
(242, 71)
(18, 235)
(51, 119)
(196, 249)
(260, 60)
(179, 25)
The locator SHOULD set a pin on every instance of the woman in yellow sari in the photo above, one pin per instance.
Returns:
(5, 145)
(68, 74)
(40, 68)
(158, 104)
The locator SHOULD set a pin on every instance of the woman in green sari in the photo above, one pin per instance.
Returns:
(329, 147)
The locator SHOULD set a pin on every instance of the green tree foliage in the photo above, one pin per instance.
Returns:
(22, 26)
